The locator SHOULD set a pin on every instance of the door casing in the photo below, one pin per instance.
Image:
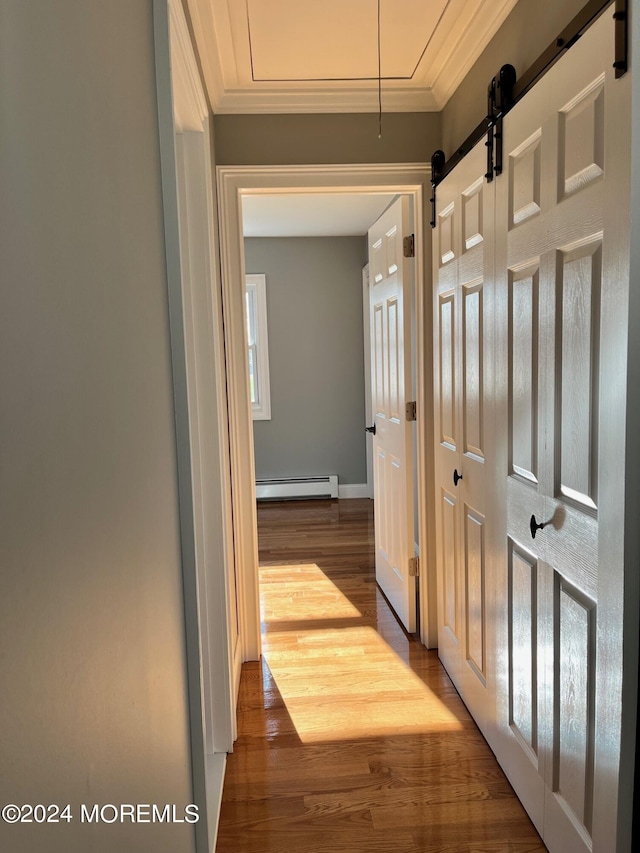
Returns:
(233, 182)
(199, 392)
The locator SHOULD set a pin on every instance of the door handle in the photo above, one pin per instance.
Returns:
(371, 429)
(534, 526)
(456, 477)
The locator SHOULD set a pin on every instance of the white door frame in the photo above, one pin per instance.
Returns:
(368, 414)
(197, 361)
(233, 182)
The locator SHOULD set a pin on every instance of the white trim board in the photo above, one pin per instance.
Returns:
(368, 414)
(215, 768)
(353, 490)
(190, 109)
(200, 401)
(233, 182)
(168, 159)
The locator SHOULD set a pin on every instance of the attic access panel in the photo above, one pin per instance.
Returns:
(334, 40)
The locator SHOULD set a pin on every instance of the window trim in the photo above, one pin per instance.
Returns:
(260, 411)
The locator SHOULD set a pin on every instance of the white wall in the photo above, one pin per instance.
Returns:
(92, 661)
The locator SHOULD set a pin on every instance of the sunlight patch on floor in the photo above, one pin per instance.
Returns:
(353, 685)
(340, 683)
(301, 592)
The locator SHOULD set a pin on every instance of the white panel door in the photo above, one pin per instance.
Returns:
(531, 292)
(390, 302)
(463, 294)
(561, 258)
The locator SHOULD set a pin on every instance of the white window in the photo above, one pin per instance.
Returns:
(256, 302)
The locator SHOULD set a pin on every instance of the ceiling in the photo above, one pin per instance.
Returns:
(288, 56)
(312, 214)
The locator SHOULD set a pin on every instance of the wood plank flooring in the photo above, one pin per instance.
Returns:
(351, 737)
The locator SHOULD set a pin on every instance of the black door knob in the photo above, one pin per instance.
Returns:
(371, 429)
(456, 477)
(534, 526)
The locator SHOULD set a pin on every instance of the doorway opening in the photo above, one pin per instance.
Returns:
(234, 185)
(309, 354)
(306, 252)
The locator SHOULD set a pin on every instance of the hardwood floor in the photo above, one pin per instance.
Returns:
(352, 738)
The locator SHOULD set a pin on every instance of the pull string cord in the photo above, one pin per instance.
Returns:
(379, 79)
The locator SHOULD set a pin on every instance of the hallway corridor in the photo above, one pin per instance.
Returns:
(351, 737)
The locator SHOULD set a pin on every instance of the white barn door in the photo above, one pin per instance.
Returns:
(562, 253)
(553, 283)
(463, 294)
(390, 317)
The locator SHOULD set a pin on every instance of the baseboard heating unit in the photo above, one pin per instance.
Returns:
(298, 487)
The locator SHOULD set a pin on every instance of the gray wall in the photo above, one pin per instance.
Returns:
(316, 360)
(529, 29)
(92, 660)
(333, 138)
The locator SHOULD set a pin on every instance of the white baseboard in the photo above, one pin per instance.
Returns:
(353, 490)
(215, 767)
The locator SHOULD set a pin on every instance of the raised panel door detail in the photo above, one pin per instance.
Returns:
(450, 591)
(447, 370)
(378, 362)
(381, 521)
(475, 614)
(447, 252)
(523, 373)
(394, 514)
(524, 169)
(472, 230)
(472, 390)
(392, 259)
(395, 363)
(578, 357)
(581, 139)
(523, 649)
(377, 261)
(574, 705)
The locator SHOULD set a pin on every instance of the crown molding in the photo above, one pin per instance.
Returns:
(458, 58)
(220, 33)
(326, 101)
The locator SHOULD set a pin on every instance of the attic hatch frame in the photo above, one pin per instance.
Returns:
(505, 90)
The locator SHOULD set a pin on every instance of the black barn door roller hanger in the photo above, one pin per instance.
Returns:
(505, 90)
